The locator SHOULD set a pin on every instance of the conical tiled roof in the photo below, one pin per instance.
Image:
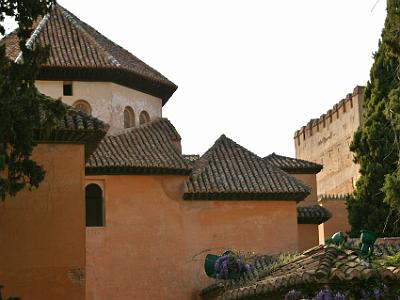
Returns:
(79, 52)
(293, 165)
(229, 171)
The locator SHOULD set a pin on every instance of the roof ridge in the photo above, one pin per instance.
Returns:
(35, 34)
(74, 20)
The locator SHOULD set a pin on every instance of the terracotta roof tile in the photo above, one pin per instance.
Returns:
(318, 266)
(152, 148)
(78, 51)
(293, 165)
(315, 214)
(75, 127)
(229, 171)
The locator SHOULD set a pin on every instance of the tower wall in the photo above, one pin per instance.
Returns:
(107, 100)
(326, 141)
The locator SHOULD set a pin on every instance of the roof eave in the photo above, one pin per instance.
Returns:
(301, 171)
(245, 196)
(129, 170)
(122, 76)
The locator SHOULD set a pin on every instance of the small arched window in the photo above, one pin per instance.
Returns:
(94, 206)
(144, 117)
(83, 106)
(129, 117)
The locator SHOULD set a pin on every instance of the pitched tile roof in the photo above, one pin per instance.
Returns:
(317, 267)
(315, 214)
(79, 52)
(293, 165)
(152, 148)
(75, 127)
(229, 171)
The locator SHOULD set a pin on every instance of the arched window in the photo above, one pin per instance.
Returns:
(144, 117)
(83, 106)
(129, 117)
(94, 206)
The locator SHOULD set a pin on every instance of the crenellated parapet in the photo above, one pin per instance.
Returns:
(344, 106)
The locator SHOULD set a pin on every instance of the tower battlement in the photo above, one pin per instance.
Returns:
(326, 140)
(334, 114)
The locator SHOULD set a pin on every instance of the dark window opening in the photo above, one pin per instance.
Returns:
(67, 88)
(94, 206)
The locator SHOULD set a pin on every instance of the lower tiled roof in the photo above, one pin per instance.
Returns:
(75, 127)
(315, 214)
(293, 165)
(227, 171)
(316, 267)
(153, 148)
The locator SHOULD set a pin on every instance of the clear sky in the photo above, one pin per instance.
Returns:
(255, 70)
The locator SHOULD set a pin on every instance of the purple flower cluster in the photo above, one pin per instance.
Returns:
(293, 295)
(229, 266)
(325, 294)
(378, 293)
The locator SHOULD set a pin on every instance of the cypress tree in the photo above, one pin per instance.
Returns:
(375, 143)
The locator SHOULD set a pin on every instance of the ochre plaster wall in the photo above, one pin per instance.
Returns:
(42, 253)
(308, 236)
(308, 233)
(108, 100)
(154, 243)
(326, 141)
(311, 181)
(339, 220)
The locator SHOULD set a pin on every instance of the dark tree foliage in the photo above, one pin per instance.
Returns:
(375, 143)
(21, 105)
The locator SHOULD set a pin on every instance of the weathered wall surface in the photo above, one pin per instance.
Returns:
(308, 236)
(308, 233)
(339, 220)
(42, 253)
(326, 141)
(154, 243)
(108, 100)
(311, 181)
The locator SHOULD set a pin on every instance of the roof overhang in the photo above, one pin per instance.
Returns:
(118, 75)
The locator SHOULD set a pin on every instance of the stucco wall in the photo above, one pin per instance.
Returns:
(108, 100)
(339, 220)
(42, 253)
(311, 181)
(154, 243)
(326, 141)
(308, 233)
(308, 236)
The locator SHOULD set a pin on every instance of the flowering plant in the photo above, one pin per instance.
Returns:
(377, 293)
(231, 266)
